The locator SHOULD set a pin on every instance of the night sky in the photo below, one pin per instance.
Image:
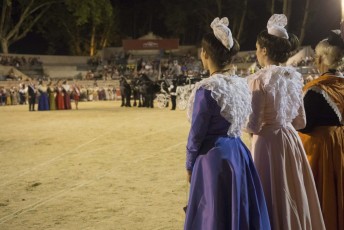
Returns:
(325, 16)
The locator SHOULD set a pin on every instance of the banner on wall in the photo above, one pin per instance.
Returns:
(151, 44)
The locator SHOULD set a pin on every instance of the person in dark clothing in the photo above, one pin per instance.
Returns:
(32, 91)
(127, 93)
(2, 96)
(173, 89)
(122, 89)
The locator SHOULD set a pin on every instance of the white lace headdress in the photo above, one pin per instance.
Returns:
(276, 25)
(222, 32)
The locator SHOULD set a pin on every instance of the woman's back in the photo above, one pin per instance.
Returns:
(277, 97)
(278, 152)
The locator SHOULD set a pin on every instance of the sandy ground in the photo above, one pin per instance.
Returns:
(99, 167)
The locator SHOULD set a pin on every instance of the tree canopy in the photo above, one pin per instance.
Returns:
(18, 17)
(80, 27)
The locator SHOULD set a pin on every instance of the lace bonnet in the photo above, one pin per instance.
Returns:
(222, 32)
(276, 26)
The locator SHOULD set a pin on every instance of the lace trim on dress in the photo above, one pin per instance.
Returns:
(285, 84)
(232, 95)
(329, 101)
(42, 88)
(339, 74)
(66, 87)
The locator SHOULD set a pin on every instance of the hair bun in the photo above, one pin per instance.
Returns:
(335, 39)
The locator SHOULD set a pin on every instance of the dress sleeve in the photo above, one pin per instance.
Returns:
(255, 119)
(199, 126)
(311, 100)
(299, 121)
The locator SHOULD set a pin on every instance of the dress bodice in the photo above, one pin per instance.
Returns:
(276, 98)
(42, 89)
(218, 107)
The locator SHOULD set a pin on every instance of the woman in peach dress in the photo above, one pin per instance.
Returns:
(278, 153)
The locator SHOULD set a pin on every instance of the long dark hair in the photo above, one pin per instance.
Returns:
(278, 49)
(217, 51)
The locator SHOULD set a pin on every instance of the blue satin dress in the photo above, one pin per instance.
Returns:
(225, 190)
(43, 101)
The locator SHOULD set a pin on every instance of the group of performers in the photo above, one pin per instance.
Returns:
(290, 180)
(13, 95)
(53, 97)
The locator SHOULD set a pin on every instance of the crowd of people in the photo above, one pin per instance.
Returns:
(129, 66)
(17, 61)
(60, 95)
(293, 177)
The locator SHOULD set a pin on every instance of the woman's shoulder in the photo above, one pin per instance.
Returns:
(325, 80)
(272, 74)
(258, 79)
(290, 72)
(220, 78)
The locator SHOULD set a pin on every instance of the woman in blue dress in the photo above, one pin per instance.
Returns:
(43, 99)
(225, 191)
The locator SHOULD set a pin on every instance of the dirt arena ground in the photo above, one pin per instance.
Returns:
(99, 167)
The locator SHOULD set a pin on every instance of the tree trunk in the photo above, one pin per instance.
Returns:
(272, 10)
(219, 7)
(92, 43)
(104, 43)
(304, 22)
(105, 36)
(77, 49)
(287, 8)
(103, 40)
(75, 45)
(235, 26)
(4, 45)
(242, 21)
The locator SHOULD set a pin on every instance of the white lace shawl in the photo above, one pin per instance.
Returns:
(233, 96)
(284, 84)
(66, 87)
(43, 88)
